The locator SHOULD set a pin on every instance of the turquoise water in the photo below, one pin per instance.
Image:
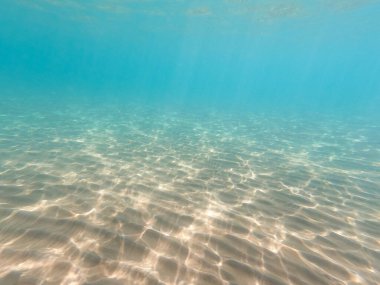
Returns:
(189, 142)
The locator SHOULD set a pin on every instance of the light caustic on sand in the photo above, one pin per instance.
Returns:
(137, 197)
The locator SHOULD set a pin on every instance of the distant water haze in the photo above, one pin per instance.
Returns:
(315, 55)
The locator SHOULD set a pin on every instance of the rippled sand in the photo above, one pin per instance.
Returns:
(128, 195)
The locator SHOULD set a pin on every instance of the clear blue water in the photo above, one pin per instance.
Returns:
(189, 142)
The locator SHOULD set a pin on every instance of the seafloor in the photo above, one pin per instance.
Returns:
(129, 194)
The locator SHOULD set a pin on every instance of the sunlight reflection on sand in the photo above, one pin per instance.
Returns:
(140, 197)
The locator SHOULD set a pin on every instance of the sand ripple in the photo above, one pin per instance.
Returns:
(138, 195)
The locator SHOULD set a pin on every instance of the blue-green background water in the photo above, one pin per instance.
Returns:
(318, 55)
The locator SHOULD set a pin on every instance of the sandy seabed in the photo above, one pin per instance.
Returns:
(132, 195)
